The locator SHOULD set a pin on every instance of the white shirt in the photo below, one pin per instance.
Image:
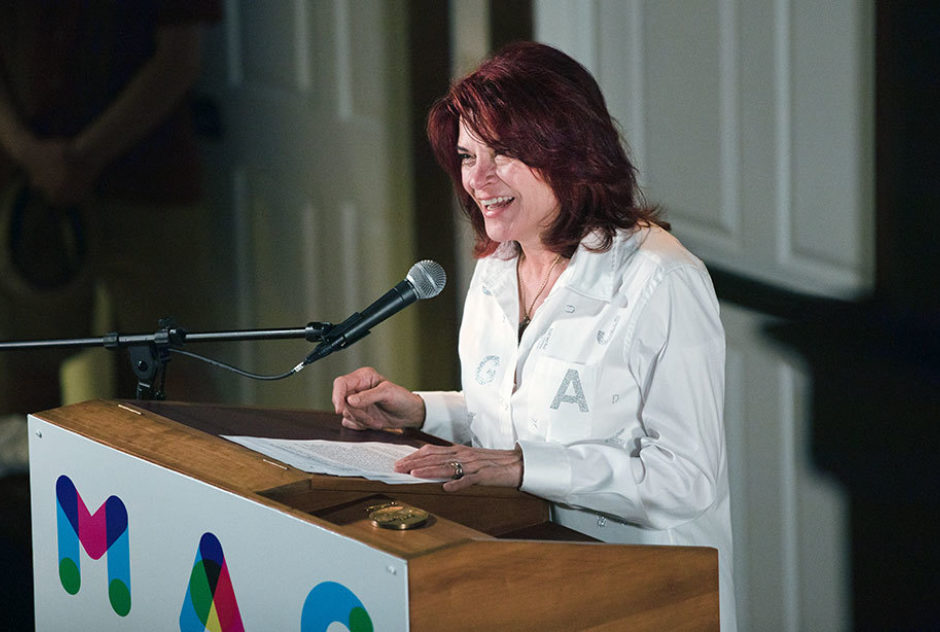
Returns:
(614, 394)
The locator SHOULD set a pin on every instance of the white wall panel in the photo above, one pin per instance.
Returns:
(750, 122)
(790, 523)
(315, 155)
(831, 225)
(689, 78)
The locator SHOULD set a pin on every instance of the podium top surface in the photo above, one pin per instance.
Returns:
(186, 438)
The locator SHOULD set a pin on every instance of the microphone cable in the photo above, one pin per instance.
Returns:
(233, 369)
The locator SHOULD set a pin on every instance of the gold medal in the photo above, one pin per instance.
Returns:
(397, 516)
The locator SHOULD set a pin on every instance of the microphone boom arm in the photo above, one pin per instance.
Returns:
(149, 353)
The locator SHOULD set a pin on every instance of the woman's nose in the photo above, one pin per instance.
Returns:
(481, 172)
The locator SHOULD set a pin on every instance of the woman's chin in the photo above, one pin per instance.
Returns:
(497, 230)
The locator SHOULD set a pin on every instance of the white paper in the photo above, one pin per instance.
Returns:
(370, 459)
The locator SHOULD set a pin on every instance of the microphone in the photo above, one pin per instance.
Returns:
(425, 279)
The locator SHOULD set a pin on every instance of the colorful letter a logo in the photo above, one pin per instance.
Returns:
(104, 531)
(210, 599)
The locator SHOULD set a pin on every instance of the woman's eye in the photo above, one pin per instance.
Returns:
(464, 158)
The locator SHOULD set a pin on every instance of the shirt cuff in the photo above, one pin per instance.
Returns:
(546, 470)
(445, 415)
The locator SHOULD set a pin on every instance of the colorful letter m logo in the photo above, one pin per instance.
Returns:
(104, 531)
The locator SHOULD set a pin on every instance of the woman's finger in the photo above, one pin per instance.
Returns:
(428, 456)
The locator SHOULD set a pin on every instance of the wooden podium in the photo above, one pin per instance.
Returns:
(144, 518)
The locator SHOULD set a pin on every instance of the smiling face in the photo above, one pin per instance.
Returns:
(516, 203)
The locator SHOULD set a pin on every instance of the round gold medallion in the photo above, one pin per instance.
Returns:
(398, 516)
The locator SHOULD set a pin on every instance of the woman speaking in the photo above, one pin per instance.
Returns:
(591, 350)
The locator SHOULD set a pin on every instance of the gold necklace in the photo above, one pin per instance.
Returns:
(527, 313)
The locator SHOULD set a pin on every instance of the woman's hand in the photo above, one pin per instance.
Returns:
(366, 400)
(465, 465)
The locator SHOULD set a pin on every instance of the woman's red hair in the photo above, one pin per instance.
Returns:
(535, 103)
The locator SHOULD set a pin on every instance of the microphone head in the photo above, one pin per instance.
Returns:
(428, 278)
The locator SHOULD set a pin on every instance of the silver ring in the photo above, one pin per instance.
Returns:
(458, 469)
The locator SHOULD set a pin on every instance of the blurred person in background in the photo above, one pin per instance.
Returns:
(100, 181)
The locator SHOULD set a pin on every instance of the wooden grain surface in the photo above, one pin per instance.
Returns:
(527, 585)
